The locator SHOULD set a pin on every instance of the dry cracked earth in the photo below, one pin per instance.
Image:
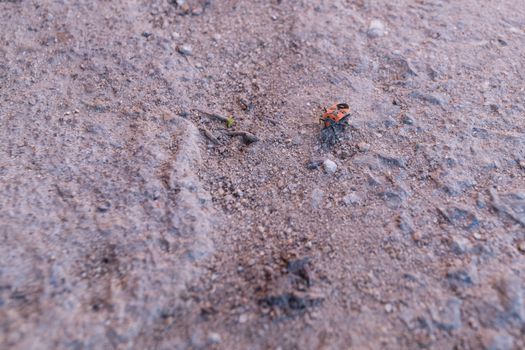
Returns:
(131, 217)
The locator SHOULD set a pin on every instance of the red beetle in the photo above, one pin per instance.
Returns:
(335, 114)
(334, 120)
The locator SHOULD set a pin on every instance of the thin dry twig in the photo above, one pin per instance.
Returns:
(214, 115)
(246, 136)
(209, 135)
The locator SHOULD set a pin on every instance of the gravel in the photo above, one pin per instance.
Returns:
(120, 227)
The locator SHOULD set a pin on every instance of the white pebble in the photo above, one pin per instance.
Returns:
(214, 338)
(376, 29)
(329, 166)
(185, 50)
(389, 308)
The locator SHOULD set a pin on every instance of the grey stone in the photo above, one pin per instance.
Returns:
(460, 245)
(389, 122)
(329, 166)
(351, 198)
(185, 50)
(393, 161)
(460, 278)
(461, 218)
(214, 338)
(392, 199)
(317, 197)
(376, 28)
(408, 120)
(405, 224)
(363, 147)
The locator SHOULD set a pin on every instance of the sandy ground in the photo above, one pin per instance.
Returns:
(131, 220)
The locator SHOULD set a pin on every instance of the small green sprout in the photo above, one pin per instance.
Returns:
(230, 121)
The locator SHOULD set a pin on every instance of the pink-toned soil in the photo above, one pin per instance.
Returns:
(129, 219)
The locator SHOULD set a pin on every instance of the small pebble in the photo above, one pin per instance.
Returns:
(314, 164)
(214, 338)
(103, 206)
(243, 318)
(376, 29)
(329, 166)
(317, 197)
(460, 245)
(521, 247)
(197, 10)
(185, 8)
(351, 198)
(389, 122)
(389, 308)
(185, 50)
(417, 236)
(363, 147)
(407, 120)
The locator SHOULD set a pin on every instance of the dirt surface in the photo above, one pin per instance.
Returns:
(131, 220)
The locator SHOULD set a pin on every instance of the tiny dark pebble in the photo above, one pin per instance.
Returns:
(314, 164)
(290, 302)
(407, 120)
(164, 245)
(459, 278)
(502, 42)
(389, 122)
(405, 224)
(103, 206)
